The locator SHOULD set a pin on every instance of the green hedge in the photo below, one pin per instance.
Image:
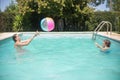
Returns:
(113, 17)
(6, 21)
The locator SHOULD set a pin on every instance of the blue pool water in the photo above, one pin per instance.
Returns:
(60, 57)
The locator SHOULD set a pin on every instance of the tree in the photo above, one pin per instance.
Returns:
(6, 21)
(96, 2)
(116, 5)
(104, 16)
(17, 25)
(77, 12)
(112, 4)
(7, 18)
(12, 8)
(74, 15)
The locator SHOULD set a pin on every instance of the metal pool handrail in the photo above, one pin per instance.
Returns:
(100, 26)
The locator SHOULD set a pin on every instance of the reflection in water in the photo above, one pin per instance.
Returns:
(20, 52)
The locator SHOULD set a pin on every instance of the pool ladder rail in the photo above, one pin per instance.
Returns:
(100, 26)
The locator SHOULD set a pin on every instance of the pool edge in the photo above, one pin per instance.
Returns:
(10, 34)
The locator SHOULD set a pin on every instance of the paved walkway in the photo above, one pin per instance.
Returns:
(113, 36)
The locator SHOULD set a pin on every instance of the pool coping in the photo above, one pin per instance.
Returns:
(6, 35)
(113, 36)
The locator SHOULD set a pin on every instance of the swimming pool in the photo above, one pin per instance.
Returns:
(60, 57)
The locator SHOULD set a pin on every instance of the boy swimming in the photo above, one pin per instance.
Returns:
(105, 46)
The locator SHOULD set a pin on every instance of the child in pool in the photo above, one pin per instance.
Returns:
(19, 43)
(105, 46)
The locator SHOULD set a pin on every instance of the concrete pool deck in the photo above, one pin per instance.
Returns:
(114, 36)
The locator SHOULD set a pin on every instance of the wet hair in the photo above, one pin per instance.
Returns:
(14, 36)
(107, 43)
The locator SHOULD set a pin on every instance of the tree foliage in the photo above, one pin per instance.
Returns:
(96, 2)
(114, 5)
(74, 13)
(98, 17)
(69, 15)
(5, 21)
(17, 24)
(7, 18)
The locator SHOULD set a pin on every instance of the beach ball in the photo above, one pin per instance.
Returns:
(47, 24)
